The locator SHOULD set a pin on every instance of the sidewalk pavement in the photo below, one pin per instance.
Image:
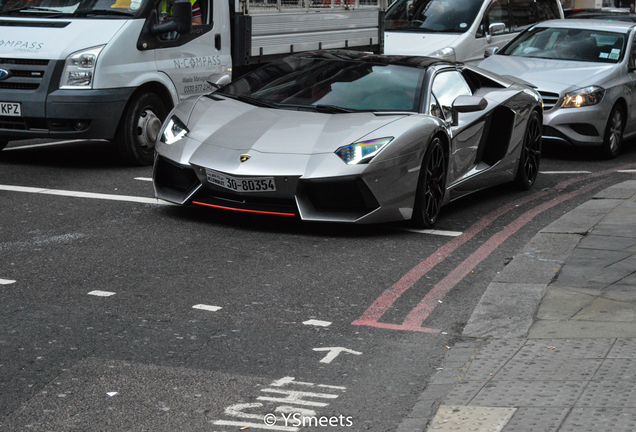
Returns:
(552, 344)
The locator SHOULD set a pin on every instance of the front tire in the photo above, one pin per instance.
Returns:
(139, 128)
(613, 134)
(530, 157)
(431, 187)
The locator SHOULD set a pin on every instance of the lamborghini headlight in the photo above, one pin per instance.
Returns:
(173, 131)
(363, 151)
(79, 69)
(587, 96)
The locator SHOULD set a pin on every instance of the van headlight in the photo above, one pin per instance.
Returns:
(447, 53)
(79, 69)
(587, 96)
(173, 131)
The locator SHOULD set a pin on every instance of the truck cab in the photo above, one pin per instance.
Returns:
(113, 69)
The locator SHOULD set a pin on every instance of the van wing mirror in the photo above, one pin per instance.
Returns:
(467, 104)
(490, 51)
(218, 80)
(181, 19)
(496, 28)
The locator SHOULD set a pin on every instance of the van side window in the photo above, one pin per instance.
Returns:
(497, 14)
(201, 11)
(528, 12)
(447, 86)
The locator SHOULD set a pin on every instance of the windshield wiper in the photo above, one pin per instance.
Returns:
(333, 109)
(249, 100)
(101, 12)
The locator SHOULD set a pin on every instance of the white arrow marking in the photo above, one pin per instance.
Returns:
(333, 353)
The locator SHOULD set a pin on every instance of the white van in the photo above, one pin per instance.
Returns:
(460, 30)
(113, 69)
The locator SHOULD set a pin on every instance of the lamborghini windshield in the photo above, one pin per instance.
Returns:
(330, 85)
(67, 8)
(439, 16)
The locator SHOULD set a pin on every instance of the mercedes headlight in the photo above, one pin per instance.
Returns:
(447, 53)
(363, 151)
(587, 96)
(173, 131)
(79, 69)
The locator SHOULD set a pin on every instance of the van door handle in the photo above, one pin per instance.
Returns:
(217, 42)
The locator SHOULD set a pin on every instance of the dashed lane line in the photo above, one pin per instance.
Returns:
(6, 281)
(76, 194)
(207, 307)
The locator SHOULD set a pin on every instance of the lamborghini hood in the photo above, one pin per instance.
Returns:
(239, 126)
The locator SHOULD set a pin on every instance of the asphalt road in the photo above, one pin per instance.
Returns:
(128, 314)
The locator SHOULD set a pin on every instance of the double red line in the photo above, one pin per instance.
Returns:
(422, 311)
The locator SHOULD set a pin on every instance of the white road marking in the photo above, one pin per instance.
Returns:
(433, 232)
(101, 293)
(148, 179)
(334, 352)
(255, 425)
(51, 144)
(6, 281)
(317, 323)
(75, 194)
(627, 171)
(111, 394)
(207, 307)
(565, 172)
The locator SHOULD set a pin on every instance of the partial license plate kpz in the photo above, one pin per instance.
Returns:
(241, 184)
(11, 109)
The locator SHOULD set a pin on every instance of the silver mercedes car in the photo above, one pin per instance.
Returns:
(349, 137)
(584, 69)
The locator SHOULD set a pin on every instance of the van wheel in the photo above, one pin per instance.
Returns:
(431, 187)
(613, 133)
(139, 128)
(530, 157)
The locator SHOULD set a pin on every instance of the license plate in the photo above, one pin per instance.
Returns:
(12, 109)
(241, 184)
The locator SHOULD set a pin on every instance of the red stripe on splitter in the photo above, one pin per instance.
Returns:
(244, 210)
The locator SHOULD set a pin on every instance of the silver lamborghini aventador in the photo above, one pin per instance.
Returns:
(350, 137)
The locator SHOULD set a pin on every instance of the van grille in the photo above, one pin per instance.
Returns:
(549, 100)
(24, 74)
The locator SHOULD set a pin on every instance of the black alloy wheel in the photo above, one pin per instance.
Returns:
(432, 186)
(530, 157)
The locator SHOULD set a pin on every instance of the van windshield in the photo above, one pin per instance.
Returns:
(438, 16)
(66, 8)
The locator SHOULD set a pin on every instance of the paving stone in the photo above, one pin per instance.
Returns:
(491, 358)
(623, 348)
(505, 310)
(533, 369)
(600, 419)
(563, 303)
(603, 309)
(454, 418)
(536, 420)
(463, 392)
(609, 393)
(576, 329)
(565, 348)
(550, 393)
(615, 368)
(593, 241)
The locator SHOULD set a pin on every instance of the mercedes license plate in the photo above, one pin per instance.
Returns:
(12, 109)
(241, 184)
